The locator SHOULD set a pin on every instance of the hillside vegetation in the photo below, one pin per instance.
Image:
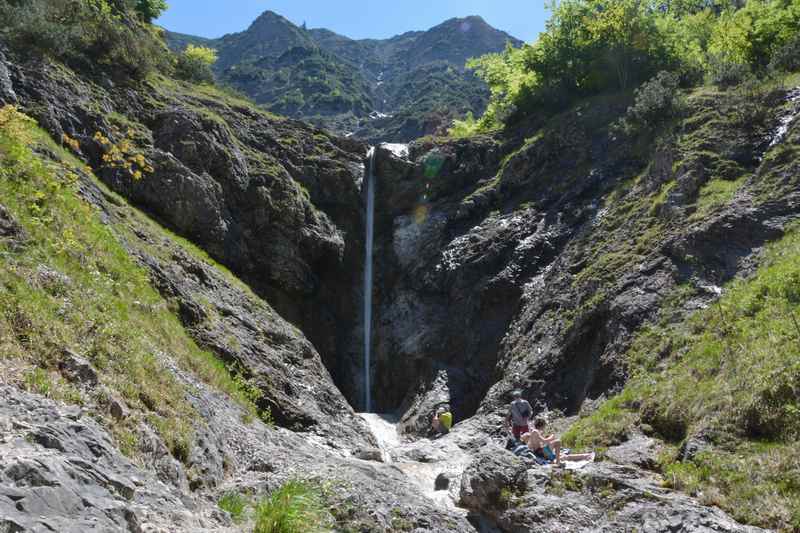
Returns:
(71, 288)
(591, 47)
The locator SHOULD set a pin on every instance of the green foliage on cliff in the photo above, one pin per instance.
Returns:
(594, 46)
(150, 9)
(71, 286)
(731, 373)
(195, 63)
(111, 35)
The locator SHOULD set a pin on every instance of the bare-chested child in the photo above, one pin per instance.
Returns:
(548, 446)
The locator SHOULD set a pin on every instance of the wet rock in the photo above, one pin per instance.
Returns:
(369, 454)
(7, 95)
(442, 482)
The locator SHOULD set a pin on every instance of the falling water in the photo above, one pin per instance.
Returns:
(786, 120)
(370, 185)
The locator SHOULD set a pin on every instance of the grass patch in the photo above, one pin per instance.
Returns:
(296, 507)
(605, 427)
(715, 194)
(755, 482)
(234, 504)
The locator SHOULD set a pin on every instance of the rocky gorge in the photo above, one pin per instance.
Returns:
(526, 260)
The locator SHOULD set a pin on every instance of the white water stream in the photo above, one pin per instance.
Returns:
(786, 120)
(441, 456)
(368, 246)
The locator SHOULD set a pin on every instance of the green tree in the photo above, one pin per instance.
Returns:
(507, 77)
(104, 33)
(194, 64)
(627, 33)
(150, 10)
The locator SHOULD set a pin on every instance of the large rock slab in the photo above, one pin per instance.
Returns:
(601, 497)
(62, 472)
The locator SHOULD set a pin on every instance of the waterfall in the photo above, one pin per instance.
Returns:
(786, 120)
(368, 244)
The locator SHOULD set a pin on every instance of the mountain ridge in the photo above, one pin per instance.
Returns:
(372, 89)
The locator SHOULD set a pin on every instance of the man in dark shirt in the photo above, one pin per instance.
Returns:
(519, 415)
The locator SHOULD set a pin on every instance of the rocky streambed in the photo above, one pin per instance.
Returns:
(468, 472)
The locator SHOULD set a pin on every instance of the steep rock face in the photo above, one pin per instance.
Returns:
(530, 263)
(275, 200)
(223, 315)
(621, 271)
(419, 206)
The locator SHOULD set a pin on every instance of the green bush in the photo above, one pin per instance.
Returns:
(150, 10)
(89, 34)
(234, 504)
(296, 507)
(726, 74)
(194, 64)
(590, 47)
(787, 57)
(656, 101)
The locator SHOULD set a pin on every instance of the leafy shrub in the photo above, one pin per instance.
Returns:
(150, 9)
(296, 507)
(656, 101)
(86, 33)
(787, 57)
(507, 77)
(749, 102)
(234, 504)
(194, 64)
(595, 46)
(726, 74)
(464, 128)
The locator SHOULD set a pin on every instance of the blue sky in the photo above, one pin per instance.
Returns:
(358, 19)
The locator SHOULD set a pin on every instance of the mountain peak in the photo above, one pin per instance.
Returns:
(270, 19)
(396, 89)
(270, 35)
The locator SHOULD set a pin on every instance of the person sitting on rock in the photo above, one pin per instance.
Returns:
(521, 449)
(548, 446)
(442, 421)
(519, 415)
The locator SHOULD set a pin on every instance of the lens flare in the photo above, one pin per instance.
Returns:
(421, 214)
